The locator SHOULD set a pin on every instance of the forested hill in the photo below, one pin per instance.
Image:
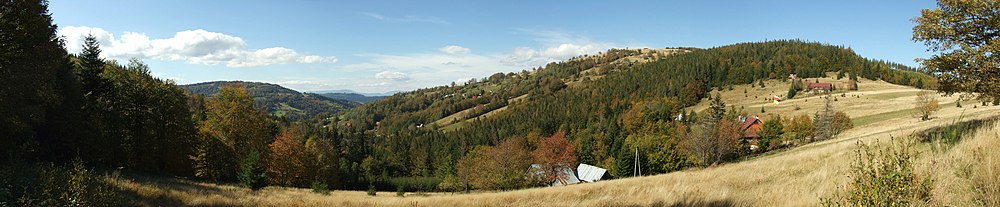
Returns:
(607, 104)
(280, 101)
(352, 97)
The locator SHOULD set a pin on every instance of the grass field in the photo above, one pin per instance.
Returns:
(795, 177)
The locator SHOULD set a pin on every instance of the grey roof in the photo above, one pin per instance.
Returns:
(590, 173)
(563, 175)
(566, 176)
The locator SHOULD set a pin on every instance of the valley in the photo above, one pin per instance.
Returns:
(806, 173)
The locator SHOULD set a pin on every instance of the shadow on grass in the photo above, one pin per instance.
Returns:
(169, 191)
(690, 202)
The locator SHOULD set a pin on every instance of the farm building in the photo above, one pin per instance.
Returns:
(590, 173)
(751, 130)
(751, 126)
(566, 176)
(821, 87)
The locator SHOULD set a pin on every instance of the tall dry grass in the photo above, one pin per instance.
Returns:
(968, 174)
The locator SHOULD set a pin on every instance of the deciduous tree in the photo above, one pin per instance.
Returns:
(553, 154)
(496, 167)
(771, 133)
(925, 105)
(286, 161)
(965, 33)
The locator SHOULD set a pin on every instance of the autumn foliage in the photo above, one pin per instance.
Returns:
(496, 167)
(286, 164)
(553, 153)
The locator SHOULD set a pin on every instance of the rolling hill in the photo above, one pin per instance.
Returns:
(355, 97)
(795, 177)
(278, 100)
(608, 104)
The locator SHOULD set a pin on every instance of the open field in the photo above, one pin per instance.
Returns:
(795, 177)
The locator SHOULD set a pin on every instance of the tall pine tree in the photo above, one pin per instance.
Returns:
(30, 55)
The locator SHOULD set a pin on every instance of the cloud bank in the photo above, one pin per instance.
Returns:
(193, 46)
(456, 63)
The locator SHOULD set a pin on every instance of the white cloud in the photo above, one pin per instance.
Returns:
(406, 19)
(557, 46)
(392, 75)
(193, 46)
(455, 49)
(453, 63)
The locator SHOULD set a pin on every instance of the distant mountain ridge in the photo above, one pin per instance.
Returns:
(389, 93)
(355, 97)
(278, 100)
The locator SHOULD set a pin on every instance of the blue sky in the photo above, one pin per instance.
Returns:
(379, 46)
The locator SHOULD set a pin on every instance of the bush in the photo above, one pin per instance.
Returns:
(792, 91)
(371, 190)
(450, 184)
(883, 176)
(53, 185)
(841, 122)
(320, 187)
(400, 191)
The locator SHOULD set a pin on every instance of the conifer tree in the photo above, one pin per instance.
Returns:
(30, 55)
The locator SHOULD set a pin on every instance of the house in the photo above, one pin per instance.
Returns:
(752, 126)
(590, 173)
(751, 130)
(821, 87)
(564, 175)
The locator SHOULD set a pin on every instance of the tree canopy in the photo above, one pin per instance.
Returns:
(964, 33)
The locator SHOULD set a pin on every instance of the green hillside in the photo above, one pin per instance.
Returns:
(607, 103)
(279, 101)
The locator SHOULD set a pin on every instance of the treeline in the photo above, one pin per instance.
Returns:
(69, 118)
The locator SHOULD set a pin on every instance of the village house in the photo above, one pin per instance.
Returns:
(820, 87)
(751, 130)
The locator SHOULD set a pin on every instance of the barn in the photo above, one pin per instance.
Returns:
(590, 173)
(821, 87)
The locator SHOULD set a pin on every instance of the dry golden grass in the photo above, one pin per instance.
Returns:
(967, 174)
(794, 177)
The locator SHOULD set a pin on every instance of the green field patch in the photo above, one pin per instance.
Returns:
(453, 127)
(865, 120)
(888, 96)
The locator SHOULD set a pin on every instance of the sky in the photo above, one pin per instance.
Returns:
(383, 46)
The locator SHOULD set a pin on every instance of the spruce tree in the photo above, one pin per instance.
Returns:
(30, 55)
(93, 65)
(718, 108)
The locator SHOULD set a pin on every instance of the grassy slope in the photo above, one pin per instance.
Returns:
(795, 177)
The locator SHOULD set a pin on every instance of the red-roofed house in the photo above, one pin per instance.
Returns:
(751, 127)
(820, 87)
(751, 131)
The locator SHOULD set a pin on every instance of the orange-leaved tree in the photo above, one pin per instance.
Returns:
(553, 154)
(286, 163)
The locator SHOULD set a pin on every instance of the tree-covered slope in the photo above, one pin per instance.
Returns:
(607, 104)
(278, 100)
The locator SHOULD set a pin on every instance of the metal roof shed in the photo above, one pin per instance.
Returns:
(590, 173)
